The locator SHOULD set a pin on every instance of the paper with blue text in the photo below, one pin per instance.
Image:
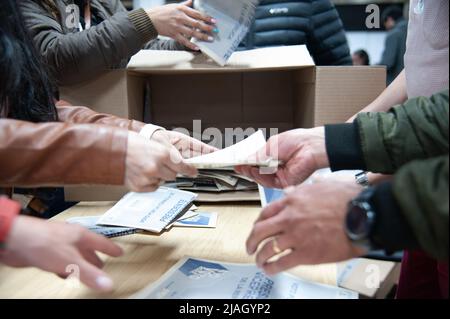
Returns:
(234, 19)
(194, 278)
(149, 211)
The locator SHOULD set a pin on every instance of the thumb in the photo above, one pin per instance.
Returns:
(188, 3)
(177, 164)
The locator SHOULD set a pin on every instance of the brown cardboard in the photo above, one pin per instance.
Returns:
(360, 276)
(270, 88)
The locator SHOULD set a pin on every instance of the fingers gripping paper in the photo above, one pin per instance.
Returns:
(238, 154)
(234, 19)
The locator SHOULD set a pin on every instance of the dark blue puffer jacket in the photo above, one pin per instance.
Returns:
(315, 23)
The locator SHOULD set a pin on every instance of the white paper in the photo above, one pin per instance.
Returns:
(237, 154)
(148, 211)
(90, 222)
(202, 279)
(191, 213)
(200, 220)
(234, 19)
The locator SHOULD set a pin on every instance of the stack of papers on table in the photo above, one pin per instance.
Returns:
(216, 170)
(216, 181)
(202, 279)
(235, 155)
(152, 212)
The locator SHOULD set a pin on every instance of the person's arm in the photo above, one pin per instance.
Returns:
(51, 246)
(83, 115)
(326, 41)
(80, 56)
(56, 154)
(383, 142)
(77, 57)
(187, 146)
(412, 211)
(61, 154)
(394, 94)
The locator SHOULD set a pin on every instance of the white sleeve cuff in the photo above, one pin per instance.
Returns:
(149, 129)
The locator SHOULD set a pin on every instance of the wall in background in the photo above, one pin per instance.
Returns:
(372, 42)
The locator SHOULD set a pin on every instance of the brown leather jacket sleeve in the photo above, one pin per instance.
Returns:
(53, 154)
(84, 115)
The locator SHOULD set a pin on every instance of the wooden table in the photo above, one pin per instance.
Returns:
(147, 256)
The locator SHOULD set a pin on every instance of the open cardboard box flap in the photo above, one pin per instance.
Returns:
(267, 59)
(271, 88)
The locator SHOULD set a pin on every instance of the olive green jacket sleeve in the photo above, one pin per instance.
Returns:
(421, 190)
(412, 141)
(415, 130)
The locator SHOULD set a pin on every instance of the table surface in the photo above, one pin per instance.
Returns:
(147, 257)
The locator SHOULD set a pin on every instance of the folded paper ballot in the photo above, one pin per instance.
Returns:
(189, 214)
(194, 278)
(234, 19)
(237, 154)
(149, 211)
(90, 222)
(199, 220)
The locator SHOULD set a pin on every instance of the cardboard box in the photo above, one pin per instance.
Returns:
(372, 279)
(266, 88)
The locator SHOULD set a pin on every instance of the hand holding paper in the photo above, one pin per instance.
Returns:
(300, 152)
(233, 23)
(241, 153)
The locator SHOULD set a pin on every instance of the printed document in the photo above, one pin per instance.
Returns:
(234, 19)
(149, 211)
(203, 279)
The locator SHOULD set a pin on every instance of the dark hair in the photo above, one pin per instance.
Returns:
(25, 89)
(394, 12)
(364, 56)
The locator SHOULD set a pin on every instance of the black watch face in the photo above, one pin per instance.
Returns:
(357, 222)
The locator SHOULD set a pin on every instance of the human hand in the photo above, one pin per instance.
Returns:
(187, 146)
(301, 153)
(181, 23)
(307, 227)
(149, 164)
(53, 246)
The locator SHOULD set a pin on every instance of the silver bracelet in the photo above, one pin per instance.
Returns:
(362, 179)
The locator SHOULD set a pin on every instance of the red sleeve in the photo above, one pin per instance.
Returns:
(8, 211)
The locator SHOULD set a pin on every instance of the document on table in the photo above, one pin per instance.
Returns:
(237, 154)
(234, 19)
(203, 279)
(90, 222)
(149, 211)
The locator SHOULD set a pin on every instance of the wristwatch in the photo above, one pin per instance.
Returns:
(360, 220)
(362, 179)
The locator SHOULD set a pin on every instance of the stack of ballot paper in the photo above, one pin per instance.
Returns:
(216, 181)
(241, 153)
(203, 279)
(216, 174)
(191, 219)
(234, 19)
(152, 212)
